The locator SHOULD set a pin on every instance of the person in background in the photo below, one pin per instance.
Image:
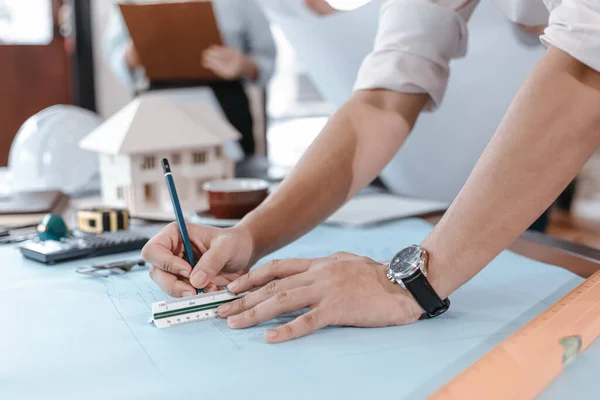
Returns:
(248, 56)
(438, 131)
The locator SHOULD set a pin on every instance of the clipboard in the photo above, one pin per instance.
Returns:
(171, 37)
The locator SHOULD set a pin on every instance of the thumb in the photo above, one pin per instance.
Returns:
(209, 265)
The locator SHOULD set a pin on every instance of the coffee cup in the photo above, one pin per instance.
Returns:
(234, 198)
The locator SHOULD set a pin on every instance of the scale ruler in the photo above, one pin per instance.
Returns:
(189, 309)
(526, 362)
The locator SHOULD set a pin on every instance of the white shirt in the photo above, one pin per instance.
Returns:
(417, 39)
(444, 146)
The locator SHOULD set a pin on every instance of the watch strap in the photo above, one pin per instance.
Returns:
(425, 295)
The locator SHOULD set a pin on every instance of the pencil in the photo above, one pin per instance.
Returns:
(185, 238)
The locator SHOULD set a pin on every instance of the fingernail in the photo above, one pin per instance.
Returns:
(200, 278)
(185, 273)
(233, 286)
(188, 293)
(271, 334)
(223, 309)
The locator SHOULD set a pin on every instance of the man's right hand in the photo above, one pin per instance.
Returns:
(132, 57)
(223, 255)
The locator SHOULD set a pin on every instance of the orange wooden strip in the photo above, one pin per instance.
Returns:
(525, 363)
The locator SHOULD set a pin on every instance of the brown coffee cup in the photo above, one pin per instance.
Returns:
(234, 198)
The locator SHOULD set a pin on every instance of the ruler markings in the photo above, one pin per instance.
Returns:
(190, 309)
(530, 359)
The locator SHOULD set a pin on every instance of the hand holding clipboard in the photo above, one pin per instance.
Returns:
(170, 38)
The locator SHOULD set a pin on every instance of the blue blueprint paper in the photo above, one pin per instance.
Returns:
(64, 335)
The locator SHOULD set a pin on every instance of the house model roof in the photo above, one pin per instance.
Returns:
(156, 123)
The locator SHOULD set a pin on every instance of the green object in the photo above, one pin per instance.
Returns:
(182, 311)
(53, 227)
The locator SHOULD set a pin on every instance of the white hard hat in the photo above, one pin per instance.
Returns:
(45, 154)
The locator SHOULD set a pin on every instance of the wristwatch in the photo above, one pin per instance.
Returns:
(408, 268)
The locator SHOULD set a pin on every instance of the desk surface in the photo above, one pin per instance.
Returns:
(581, 260)
(71, 334)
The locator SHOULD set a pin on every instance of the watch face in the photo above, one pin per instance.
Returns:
(405, 263)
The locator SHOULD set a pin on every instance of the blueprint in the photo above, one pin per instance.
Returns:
(63, 334)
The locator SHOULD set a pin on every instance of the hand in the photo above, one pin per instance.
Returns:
(321, 7)
(132, 57)
(229, 63)
(223, 255)
(533, 30)
(343, 289)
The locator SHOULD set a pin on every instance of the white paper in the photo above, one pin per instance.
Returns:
(377, 208)
(68, 336)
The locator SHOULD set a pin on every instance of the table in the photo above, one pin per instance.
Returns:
(579, 259)
(107, 349)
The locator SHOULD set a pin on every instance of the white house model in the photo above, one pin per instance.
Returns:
(132, 143)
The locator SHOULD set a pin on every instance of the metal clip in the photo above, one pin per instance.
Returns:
(103, 271)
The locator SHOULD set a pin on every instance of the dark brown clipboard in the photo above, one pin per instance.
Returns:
(171, 37)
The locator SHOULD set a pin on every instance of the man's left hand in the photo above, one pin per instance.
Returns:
(343, 289)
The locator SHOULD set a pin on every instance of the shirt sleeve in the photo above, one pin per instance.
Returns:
(415, 42)
(574, 28)
(115, 44)
(260, 42)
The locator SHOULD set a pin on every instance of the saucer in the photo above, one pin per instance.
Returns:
(205, 218)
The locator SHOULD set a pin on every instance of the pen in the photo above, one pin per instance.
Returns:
(185, 238)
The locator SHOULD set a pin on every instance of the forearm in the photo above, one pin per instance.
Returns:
(548, 133)
(357, 142)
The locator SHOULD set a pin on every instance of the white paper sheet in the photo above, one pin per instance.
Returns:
(377, 208)
(64, 335)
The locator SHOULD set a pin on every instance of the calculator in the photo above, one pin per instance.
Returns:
(81, 245)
